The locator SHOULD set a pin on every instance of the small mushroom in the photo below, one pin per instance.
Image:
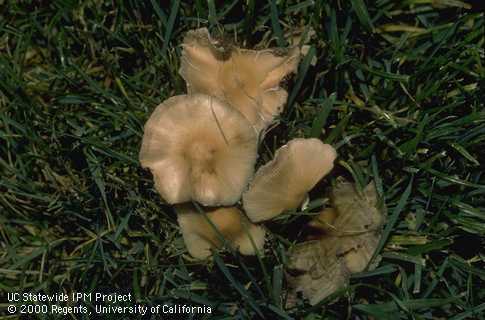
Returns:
(316, 270)
(247, 79)
(355, 223)
(358, 223)
(283, 183)
(198, 148)
(351, 233)
(203, 232)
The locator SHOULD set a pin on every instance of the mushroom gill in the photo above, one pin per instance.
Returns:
(283, 183)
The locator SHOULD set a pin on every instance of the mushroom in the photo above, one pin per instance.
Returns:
(283, 183)
(351, 233)
(204, 231)
(315, 269)
(354, 223)
(198, 148)
(247, 79)
(358, 223)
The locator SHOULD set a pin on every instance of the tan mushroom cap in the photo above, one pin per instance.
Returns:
(352, 231)
(247, 79)
(283, 183)
(353, 244)
(358, 223)
(354, 224)
(198, 148)
(200, 236)
(320, 272)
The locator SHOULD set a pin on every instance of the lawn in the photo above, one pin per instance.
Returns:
(395, 86)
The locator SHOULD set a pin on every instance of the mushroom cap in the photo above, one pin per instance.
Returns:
(198, 148)
(319, 270)
(200, 236)
(354, 223)
(247, 79)
(358, 223)
(352, 231)
(347, 200)
(283, 183)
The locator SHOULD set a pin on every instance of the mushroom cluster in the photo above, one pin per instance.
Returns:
(201, 147)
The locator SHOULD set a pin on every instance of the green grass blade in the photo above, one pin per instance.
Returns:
(392, 219)
(170, 24)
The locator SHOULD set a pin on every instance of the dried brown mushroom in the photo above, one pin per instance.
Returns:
(198, 148)
(315, 270)
(283, 183)
(358, 224)
(352, 230)
(248, 79)
(203, 232)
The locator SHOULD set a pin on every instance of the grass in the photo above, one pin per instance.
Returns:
(397, 86)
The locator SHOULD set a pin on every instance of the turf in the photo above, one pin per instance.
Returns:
(396, 86)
